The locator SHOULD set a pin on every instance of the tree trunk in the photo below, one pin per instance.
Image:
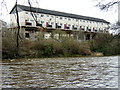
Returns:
(17, 40)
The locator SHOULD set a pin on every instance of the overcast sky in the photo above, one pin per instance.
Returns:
(80, 7)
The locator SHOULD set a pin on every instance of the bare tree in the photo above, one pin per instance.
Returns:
(105, 6)
(34, 15)
(18, 22)
(18, 32)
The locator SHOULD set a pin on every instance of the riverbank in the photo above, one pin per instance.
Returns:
(65, 47)
(77, 56)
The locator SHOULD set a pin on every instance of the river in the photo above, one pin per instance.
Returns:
(78, 72)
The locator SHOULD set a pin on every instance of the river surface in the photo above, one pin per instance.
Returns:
(80, 72)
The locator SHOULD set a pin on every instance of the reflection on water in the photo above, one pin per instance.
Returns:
(92, 72)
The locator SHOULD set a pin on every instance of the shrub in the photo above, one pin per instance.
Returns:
(9, 49)
(72, 47)
(43, 48)
(85, 49)
(106, 44)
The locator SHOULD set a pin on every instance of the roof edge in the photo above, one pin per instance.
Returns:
(60, 12)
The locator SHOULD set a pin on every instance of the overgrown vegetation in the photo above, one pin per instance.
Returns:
(106, 43)
(40, 47)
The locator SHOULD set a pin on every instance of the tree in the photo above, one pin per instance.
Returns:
(34, 14)
(3, 3)
(18, 33)
(106, 5)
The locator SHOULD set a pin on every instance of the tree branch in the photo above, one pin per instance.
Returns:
(106, 6)
(33, 15)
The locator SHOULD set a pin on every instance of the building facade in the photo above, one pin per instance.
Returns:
(30, 18)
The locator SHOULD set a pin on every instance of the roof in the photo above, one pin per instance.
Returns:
(57, 13)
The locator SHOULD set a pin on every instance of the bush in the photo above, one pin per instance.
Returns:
(44, 48)
(9, 49)
(106, 44)
(72, 47)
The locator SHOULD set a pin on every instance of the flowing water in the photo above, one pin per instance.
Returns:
(91, 72)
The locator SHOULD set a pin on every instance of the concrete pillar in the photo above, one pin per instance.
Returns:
(90, 36)
(84, 38)
(76, 37)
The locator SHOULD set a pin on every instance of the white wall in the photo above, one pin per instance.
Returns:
(52, 19)
(13, 19)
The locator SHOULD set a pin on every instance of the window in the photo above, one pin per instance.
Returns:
(69, 19)
(87, 28)
(58, 26)
(27, 19)
(65, 18)
(27, 22)
(31, 20)
(47, 15)
(42, 21)
(60, 17)
(26, 13)
(42, 15)
(52, 16)
(76, 20)
(39, 24)
(69, 25)
(27, 35)
(52, 23)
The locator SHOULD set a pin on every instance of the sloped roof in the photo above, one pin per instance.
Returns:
(57, 13)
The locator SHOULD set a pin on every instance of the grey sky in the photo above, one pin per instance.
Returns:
(80, 7)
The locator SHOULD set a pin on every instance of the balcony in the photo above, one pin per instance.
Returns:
(58, 26)
(67, 27)
(39, 24)
(89, 30)
(28, 23)
(82, 29)
(74, 28)
(50, 26)
(96, 30)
